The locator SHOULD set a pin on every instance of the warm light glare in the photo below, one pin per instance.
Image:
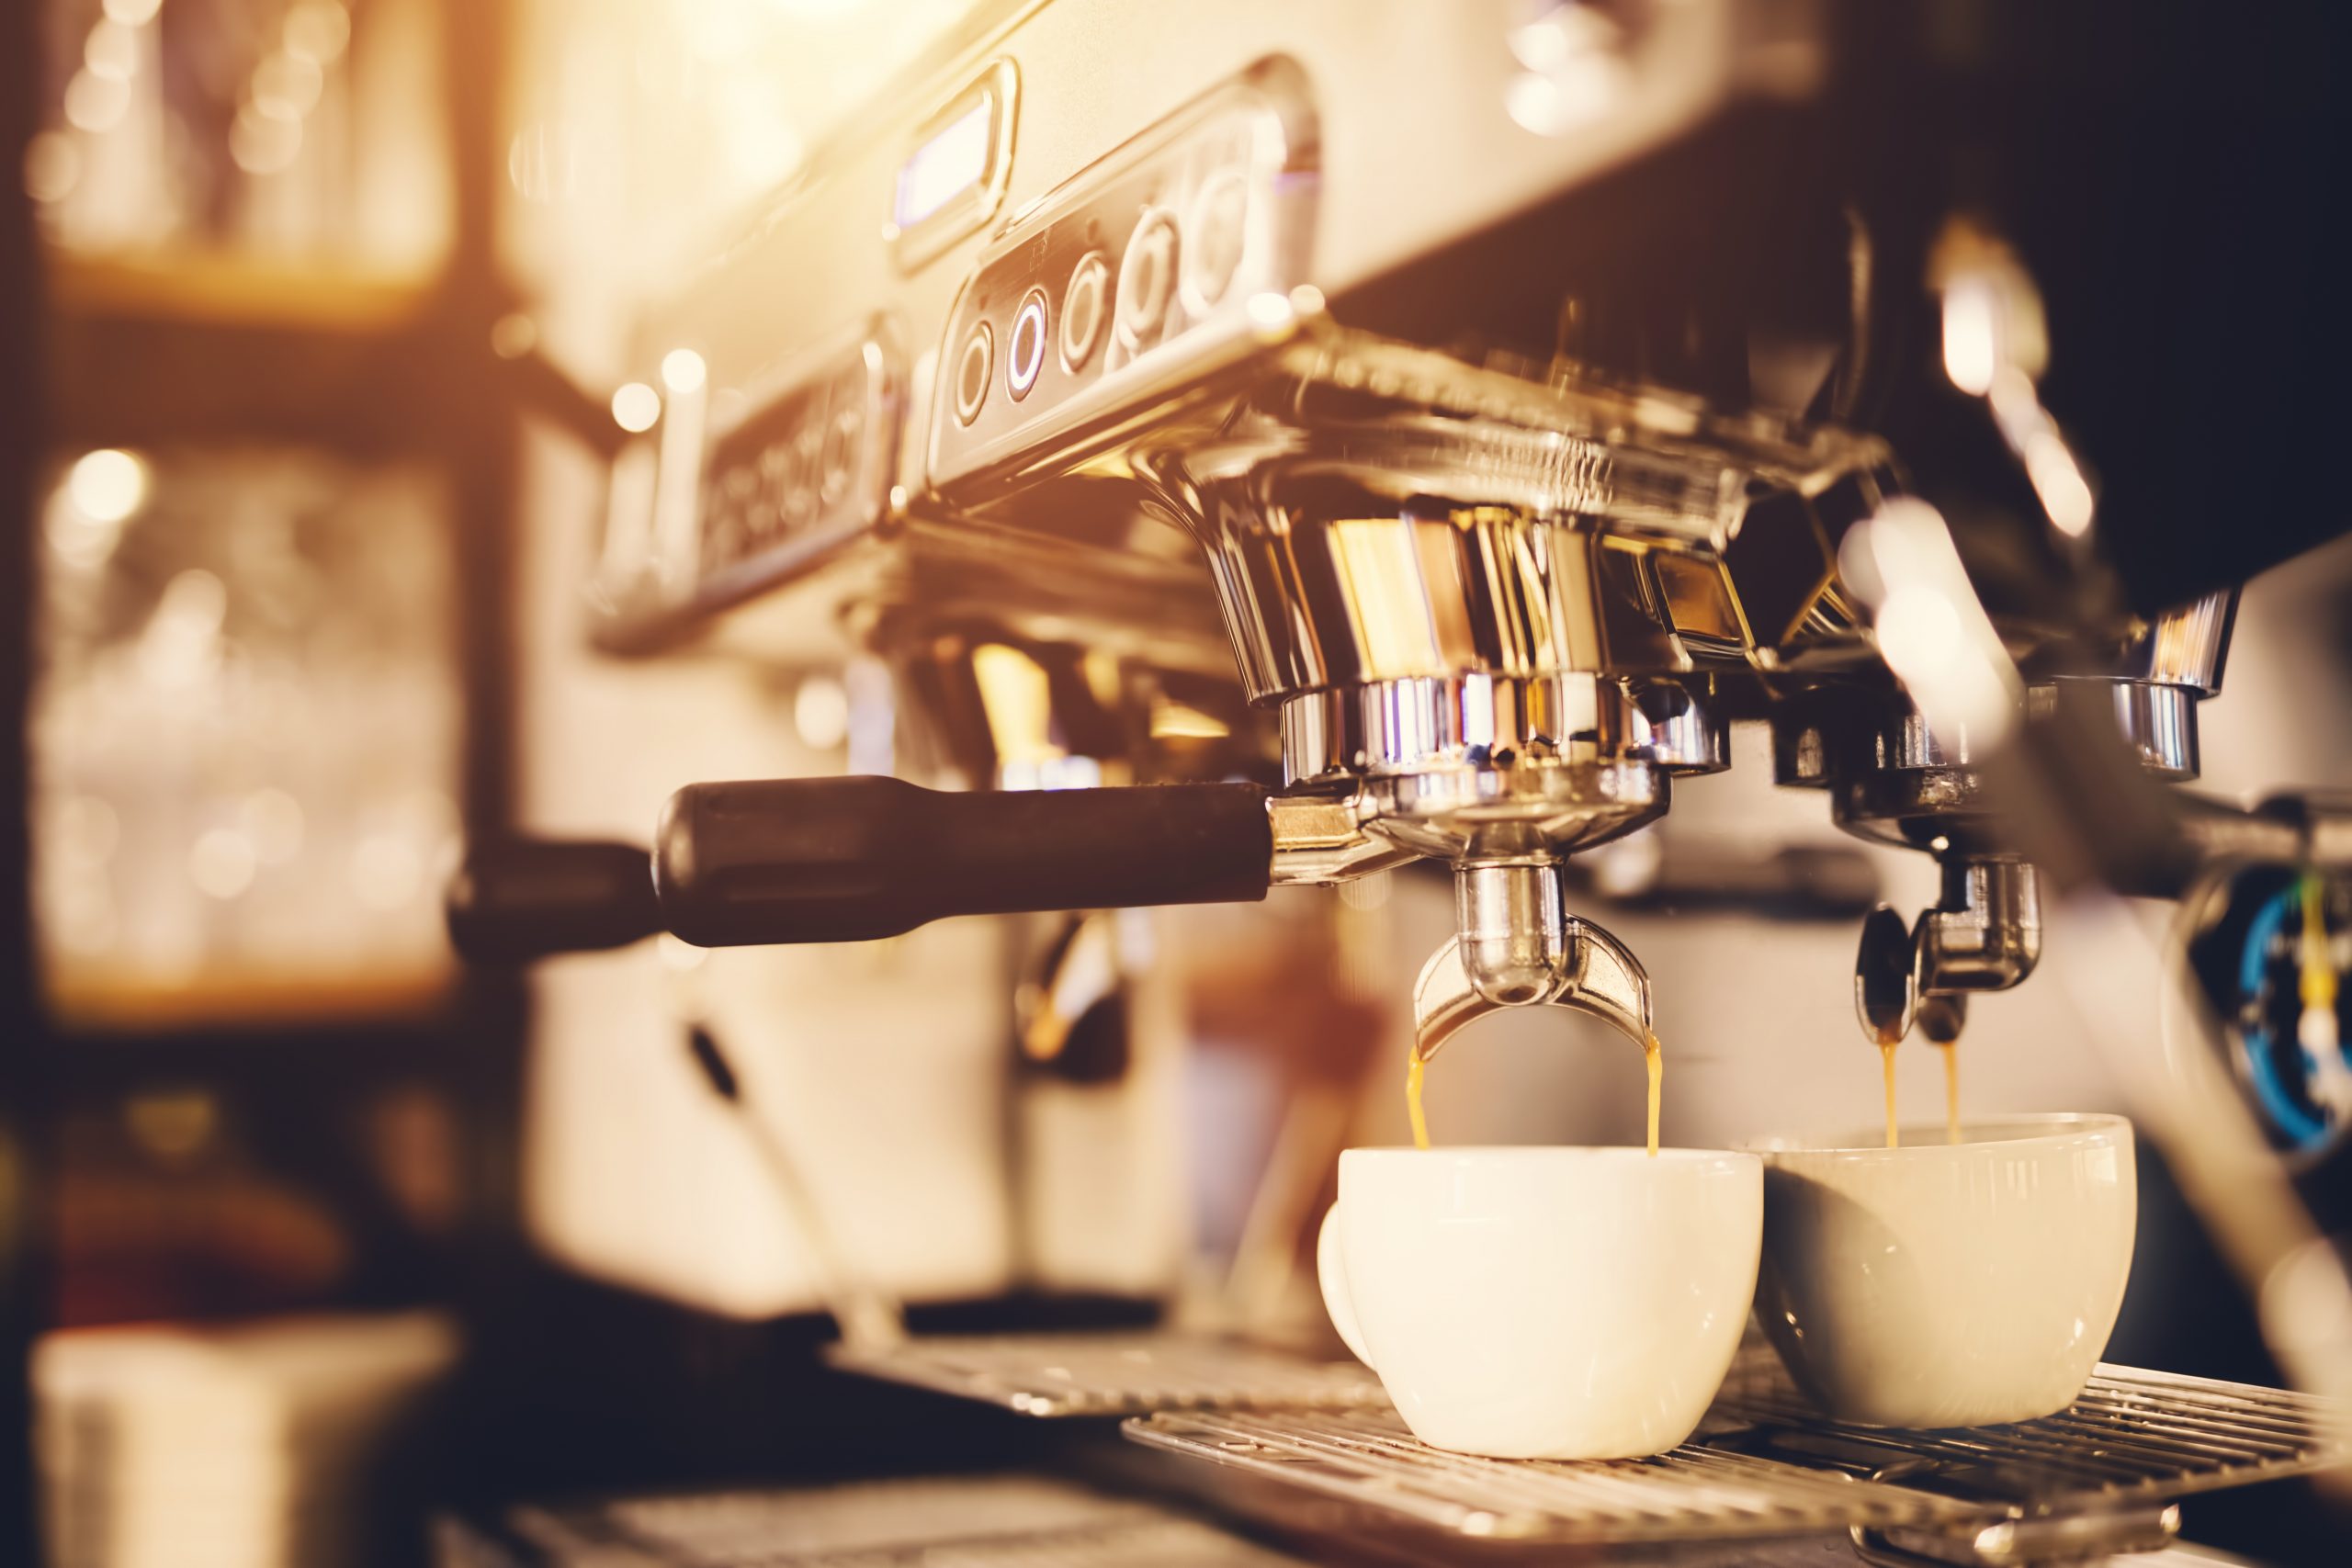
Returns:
(635, 406)
(222, 862)
(272, 822)
(1270, 311)
(53, 166)
(758, 139)
(1971, 348)
(1931, 628)
(543, 162)
(820, 712)
(181, 647)
(682, 371)
(96, 103)
(111, 50)
(1560, 35)
(1919, 633)
(512, 335)
(317, 31)
(1533, 102)
(132, 13)
(2058, 480)
(108, 486)
(263, 142)
(386, 872)
(287, 85)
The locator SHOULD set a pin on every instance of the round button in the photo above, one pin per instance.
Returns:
(794, 486)
(1218, 229)
(1084, 309)
(840, 453)
(1026, 356)
(972, 371)
(1147, 278)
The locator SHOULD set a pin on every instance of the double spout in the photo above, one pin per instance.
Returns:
(1516, 945)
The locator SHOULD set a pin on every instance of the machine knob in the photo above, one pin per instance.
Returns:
(522, 899)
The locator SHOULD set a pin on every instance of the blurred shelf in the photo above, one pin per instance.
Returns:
(89, 1002)
(165, 350)
(223, 289)
(471, 1029)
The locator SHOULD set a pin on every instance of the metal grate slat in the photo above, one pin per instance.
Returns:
(1770, 1465)
(1004, 1520)
(1106, 1374)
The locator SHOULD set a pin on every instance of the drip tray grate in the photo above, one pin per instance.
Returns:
(1765, 1464)
(1106, 1374)
(979, 1521)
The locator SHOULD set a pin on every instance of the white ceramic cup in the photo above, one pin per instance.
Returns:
(1544, 1302)
(1948, 1285)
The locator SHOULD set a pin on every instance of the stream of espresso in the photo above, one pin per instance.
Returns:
(1893, 1138)
(1951, 1091)
(1413, 1071)
(1653, 1062)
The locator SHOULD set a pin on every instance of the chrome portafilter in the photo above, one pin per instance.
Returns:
(1516, 945)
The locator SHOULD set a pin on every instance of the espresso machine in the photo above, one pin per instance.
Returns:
(1241, 447)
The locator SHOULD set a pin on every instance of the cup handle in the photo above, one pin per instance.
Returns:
(1331, 1273)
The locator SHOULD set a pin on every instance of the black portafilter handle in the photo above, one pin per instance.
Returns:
(776, 861)
(519, 899)
(855, 859)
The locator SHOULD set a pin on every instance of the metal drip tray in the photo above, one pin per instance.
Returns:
(980, 1521)
(2098, 1477)
(1106, 1374)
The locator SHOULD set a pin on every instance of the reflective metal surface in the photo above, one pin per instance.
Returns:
(1518, 947)
(1004, 1520)
(2159, 723)
(2183, 648)
(1985, 935)
(1373, 512)
(1322, 839)
(2079, 1485)
(1488, 766)
(1096, 1374)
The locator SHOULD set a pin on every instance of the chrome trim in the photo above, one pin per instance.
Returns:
(1418, 725)
(1320, 839)
(2159, 723)
(999, 86)
(2184, 647)
(1518, 947)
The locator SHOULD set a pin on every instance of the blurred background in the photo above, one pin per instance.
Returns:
(264, 257)
(306, 1231)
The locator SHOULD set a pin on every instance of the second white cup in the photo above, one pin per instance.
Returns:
(1544, 1302)
(1945, 1285)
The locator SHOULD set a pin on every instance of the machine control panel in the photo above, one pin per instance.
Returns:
(789, 470)
(1173, 254)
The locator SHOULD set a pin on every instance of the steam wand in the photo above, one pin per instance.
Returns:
(868, 1317)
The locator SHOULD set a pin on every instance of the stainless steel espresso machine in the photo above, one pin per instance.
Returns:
(1270, 445)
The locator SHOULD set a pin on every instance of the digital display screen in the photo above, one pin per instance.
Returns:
(947, 167)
